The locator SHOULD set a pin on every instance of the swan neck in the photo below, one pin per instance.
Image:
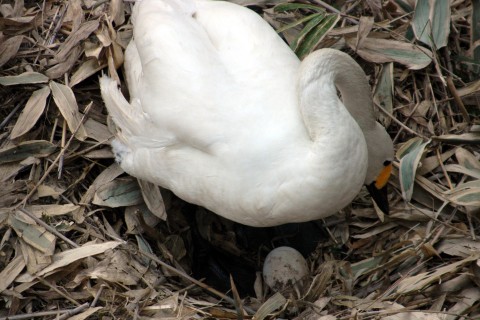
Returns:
(321, 74)
(354, 88)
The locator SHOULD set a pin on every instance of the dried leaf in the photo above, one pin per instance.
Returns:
(420, 281)
(98, 131)
(75, 37)
(410, 155)
(9, 49)
(431, 22)
(431, 163)
(104, 153)
(467, 299)
(67, 104)
(51, 210)
(117, 11)
(35, 259)
(364, 266)
(64, 66)
(32, 111)
(86, 314)
(475, 173)
(383, 95)
(376, 230)
(411, 315)
(275, 302)
(66, 257)
(86, 69)
(458, 247)
(470, 89)
(383, 50)
(24, 78)
(15, 21)
(469, 197)
(115, 268)
(74, 14)
(467, 159)
(35, 236)
(33, 148)
(103, 178)
(53, 191)
(118, 193)
(11, 271)
(464, 138)
(364, 28)
(11, 169)
(153, 198)
(134, 226)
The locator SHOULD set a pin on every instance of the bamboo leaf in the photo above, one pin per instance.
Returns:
(9, 48)
(297, 22)
(408, 165)
(312, 22)
(34, 235)
(67, 104)
(295, 6)
(32, 111)
(24, 78)
(118, 193)
(273, 303)
(33, 148)
(383, 95)
(384, 50)
(431, 22)
(315, 36)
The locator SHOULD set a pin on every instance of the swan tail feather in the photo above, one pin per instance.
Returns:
(128, 117)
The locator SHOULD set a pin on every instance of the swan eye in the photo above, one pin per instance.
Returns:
(384, 175)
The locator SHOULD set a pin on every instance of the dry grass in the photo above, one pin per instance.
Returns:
(75, 231)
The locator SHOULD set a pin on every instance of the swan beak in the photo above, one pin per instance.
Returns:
(379, 196)
(378, 188)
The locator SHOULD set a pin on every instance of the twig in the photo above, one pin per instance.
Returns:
(59, 24)
(329, 7)
(68, 312)
(54, 288)
(445, 173)
(11, 114)
(50, 168)
(97, 295)
(48, 227)
(458, 100)
(374, 314)
(62, 145)
(72, 312)
(400, 123)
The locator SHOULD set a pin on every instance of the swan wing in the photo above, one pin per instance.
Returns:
(214, 116)
(199, 81)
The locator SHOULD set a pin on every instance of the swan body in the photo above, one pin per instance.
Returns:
(224, 114)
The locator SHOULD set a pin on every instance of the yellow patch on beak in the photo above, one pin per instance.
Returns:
(383, 177)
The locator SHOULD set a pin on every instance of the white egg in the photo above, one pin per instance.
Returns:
(284, 267)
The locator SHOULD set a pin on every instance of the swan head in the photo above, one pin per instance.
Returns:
(380, 157)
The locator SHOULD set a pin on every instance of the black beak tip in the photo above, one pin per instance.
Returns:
(380, 196)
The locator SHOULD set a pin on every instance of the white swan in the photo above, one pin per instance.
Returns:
(224, 114)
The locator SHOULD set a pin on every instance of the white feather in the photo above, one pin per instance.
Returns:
(223, 114)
